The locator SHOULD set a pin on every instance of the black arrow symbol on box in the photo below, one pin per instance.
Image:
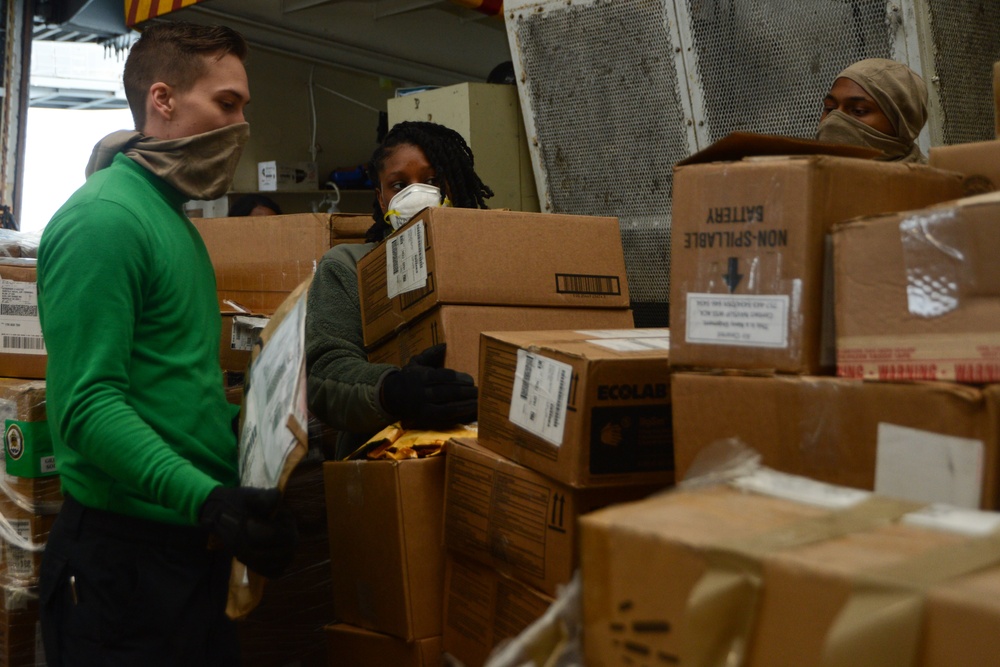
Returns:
(733, 275)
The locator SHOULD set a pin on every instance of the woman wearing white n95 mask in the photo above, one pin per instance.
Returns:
(417, 165)
(877, 103)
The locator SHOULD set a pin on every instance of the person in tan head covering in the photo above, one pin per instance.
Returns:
(876, 103)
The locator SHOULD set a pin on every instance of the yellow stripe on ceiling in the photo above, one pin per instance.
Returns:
(137, 11)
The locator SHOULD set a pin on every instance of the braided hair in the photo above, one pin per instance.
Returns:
(449, 156)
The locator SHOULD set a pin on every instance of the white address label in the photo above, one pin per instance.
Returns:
(406, 261)
(20, 328)
(541, 392)
(752, 321)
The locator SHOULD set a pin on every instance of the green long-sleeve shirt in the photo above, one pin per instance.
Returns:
(129, 312)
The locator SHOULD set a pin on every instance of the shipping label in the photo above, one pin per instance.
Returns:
(540, 395)
(245, 332)
(745, 320)
(20, 328)
(406, 261)
(928, 467)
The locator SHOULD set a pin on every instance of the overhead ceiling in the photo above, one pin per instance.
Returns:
(435, 42)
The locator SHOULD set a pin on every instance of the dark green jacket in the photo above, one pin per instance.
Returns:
(343, 386)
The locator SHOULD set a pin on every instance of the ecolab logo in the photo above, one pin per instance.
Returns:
(631, 392)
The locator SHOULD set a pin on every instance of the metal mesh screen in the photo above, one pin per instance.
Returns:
(765, 65)
(965, 45)
(610, 125)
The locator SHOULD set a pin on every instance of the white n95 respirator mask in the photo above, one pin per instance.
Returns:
(411, 200)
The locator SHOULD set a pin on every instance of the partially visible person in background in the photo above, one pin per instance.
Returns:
(254, 204)
(417, 165)
(137, 564)
(879, 104)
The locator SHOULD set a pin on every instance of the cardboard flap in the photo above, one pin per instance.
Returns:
(740, 145)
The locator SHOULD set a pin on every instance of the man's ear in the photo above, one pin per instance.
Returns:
(161, 100)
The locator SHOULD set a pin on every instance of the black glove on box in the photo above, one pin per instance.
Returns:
(251, 523)
(424, 395)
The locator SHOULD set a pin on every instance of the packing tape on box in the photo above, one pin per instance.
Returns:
(938, 270)
(881, 622)
(722, 605)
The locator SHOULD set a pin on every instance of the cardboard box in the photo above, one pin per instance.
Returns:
(515, 520)
(259, 260)
(22, 545)
(22, 349)
(930, 441)
(490, 258)
(747, 247)
(723, 570)
(350, 646)
(483, 607)
(386, 544)
(20, 642)
(240, 328)
(28, 449)
(976, 161)
(918, 294)
(461, 326)
(276, 175)
(585, 408)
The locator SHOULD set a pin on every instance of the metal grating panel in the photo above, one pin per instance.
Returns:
(609, 123)
(765, 65)
(964, 44)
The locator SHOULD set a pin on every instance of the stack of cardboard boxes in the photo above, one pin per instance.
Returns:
(29, 487)
(778, 569)
(463, 551)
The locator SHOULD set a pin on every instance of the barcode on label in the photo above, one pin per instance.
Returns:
(19, 310)
(569, 283)
(394, 247)
(9, 342)
(526, 382)
(420, 247)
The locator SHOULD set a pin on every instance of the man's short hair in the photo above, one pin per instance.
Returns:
(174, 52)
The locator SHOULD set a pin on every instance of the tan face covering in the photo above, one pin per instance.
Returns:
(200, 167)
(840, 128)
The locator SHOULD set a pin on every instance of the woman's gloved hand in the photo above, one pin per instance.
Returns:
(424, 395)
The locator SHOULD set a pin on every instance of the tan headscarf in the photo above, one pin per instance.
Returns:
(200, 166)
(902, 96)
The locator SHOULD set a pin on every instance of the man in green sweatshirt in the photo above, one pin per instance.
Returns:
(137, 565)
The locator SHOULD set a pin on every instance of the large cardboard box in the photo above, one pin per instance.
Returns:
(927, 441)
(483, 607)
(515, 520)
(778, 571)
(585, 408)
(977, 162)
(918, 294)
(351, 646)
(22, 349)
(461, 326)
(747, 246)
(259, 260)
(386, 544)
(500, 258)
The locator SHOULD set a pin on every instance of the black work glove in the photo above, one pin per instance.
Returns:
(249, 521)
(424, 395)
